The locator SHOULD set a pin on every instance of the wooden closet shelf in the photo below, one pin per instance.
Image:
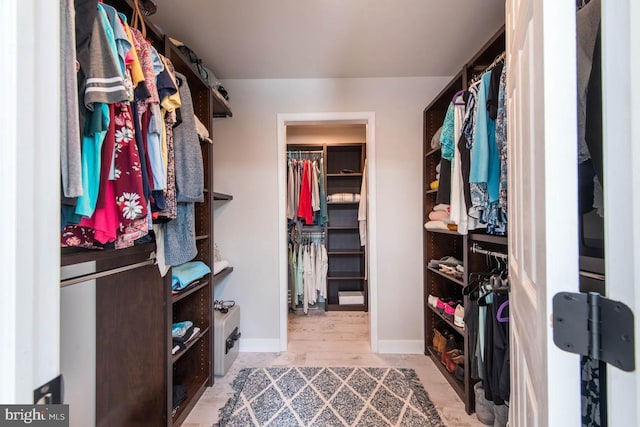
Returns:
(221, 107)
(345, 253)
(199, 284)
(222, 196)
(345, 276)
(439, 231)
(178, 355)
(447, 321)
(344, 175)
(202, 237)
(69, 256)
(342, 203)
(455, 384)
(195, 387)
(446, 276)
(489, 238)
(431, 191)
(222, 274)
(432, 152)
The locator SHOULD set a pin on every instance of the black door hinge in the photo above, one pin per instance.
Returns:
(594, 326)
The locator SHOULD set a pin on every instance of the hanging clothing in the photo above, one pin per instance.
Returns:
(322, 216)
(315, 187)
(362, 207)
(70, 145)
(458, 208)
(291, 203)
(501, 142)
(304, 207)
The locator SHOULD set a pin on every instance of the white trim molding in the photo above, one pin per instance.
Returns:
(258, 345)
(401, 346)
(368, 119)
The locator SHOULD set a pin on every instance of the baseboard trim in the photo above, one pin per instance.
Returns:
(401, 346)
(256, 345)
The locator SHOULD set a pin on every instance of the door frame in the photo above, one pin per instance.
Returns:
(621, 134)
(284, 120)
(30, 218)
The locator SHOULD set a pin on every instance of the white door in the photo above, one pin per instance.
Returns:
(621, 112)
(543, 239)
(30, 214)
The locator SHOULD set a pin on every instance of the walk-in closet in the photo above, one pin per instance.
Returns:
(326, 198)
(406, 199)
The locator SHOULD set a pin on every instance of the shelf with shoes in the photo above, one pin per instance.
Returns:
(439, 239)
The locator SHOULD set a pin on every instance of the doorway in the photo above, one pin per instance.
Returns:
(314, 133)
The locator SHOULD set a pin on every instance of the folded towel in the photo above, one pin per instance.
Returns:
(442, 207)
(343, 198)
(178, 330)
(184, 274)
(435, 225)
(218, 266)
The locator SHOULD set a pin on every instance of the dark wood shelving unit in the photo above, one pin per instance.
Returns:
(192, 367)
(440, 243)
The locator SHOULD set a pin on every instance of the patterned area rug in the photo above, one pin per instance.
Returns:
(322, 397)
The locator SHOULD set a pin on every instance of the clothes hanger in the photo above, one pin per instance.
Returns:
(456, 95)
(499, 316)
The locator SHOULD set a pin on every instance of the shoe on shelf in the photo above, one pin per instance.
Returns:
(458, 316)
(438, 339)
(449, 311)
(432, 300)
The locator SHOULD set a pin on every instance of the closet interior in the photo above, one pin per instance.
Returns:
(465, 243)
(165, 318)
(326, 234)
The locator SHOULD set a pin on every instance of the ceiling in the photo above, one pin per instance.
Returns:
(256, 39)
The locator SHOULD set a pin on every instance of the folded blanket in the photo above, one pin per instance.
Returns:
(435, 225)
(343, 198)
(184, 274)
(439, 216)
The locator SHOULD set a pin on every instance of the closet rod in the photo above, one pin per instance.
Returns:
(305, 152)
(476, 249)
(92, 276)
(476, 78)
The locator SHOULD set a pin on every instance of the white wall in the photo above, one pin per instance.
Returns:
(245, 165)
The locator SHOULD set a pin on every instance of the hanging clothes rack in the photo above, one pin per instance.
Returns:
(496, 61)
(476, 249)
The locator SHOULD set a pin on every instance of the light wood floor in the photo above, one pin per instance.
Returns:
(333, 339)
